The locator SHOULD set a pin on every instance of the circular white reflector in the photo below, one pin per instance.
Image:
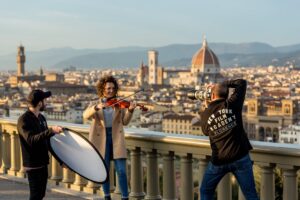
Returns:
(79, 155)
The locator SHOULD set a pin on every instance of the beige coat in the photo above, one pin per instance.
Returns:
(97, 133)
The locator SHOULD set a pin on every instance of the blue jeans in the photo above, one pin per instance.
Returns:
(120, 166)
(241, 169)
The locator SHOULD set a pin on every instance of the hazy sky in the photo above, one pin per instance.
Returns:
(43, 24)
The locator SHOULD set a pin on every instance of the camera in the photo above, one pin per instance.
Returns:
(201, 95)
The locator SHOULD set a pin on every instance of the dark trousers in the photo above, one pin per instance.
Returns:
(37, 179)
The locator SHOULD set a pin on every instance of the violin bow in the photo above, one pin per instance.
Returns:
(120, 100)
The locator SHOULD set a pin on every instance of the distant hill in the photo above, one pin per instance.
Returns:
(290, 48)
(245, 54)
(247, 60)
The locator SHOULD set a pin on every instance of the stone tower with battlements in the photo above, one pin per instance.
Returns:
(21, 61)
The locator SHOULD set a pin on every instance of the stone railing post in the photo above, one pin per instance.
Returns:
(4, 152)
(169, 178)
(117, 191)
(1, 145)
(14, 155)
(290, 185)
(67, 178)
(91, 187)
(137, 191)
(203, 162)
(224, 188)
(56, 174)
(186, 178)
(21, 173)
(78, 184)
(267, 183)
(241, 195)
(112, 177)
(152, 176)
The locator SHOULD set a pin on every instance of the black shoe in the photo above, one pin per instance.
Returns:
(107, 198)
(124, 198)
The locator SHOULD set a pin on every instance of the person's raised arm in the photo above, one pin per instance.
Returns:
(238, 96)
(128, 113)
(91, 110)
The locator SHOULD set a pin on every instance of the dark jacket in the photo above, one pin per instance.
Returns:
(222, 122)
(34, 132)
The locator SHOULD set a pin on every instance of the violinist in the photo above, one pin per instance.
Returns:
(107, 133)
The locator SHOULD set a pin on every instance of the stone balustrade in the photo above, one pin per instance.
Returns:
(162, 166)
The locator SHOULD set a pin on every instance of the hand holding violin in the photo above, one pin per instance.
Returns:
(132, 106)
(99, 106)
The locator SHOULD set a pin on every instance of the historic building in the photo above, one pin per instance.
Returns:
(55, 77)
(181, 124)
(50, 81)
(290, 134)
(21, 73)
(143, 75)
(263, 118)
(21, 61)
(205, 68)
(205, 65)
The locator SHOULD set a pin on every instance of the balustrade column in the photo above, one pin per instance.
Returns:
(114, 182)
(112, 187)
(152, 176)
(267, 185)
(169, 187)
(1, 144)
(137, 191)
(112, 177)
(241, 195)
(117, 191)
(4, 153)
(14, 155)
(50, 167)
(290, 184)
(56, 174)
(21, 173)
(91, 187)
(67, 179)
(186, 178)
(202, 167)
(224, 188)
(78, 183)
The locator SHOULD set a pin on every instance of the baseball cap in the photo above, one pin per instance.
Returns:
(37, 95)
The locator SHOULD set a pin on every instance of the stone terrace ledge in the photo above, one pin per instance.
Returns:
(179, 159)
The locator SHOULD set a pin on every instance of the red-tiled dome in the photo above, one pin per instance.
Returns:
(205, 56)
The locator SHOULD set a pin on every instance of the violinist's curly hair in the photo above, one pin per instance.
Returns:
(102, 82)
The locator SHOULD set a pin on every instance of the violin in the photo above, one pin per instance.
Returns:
(122, 104)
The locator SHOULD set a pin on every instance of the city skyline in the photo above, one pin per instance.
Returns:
(101, 25)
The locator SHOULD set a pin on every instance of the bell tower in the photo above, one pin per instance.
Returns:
(21, 61)
(153, 63)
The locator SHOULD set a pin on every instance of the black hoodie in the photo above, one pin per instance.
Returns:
(222, 122)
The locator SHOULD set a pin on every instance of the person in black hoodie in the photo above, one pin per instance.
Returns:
(34, 133)
(222, 122)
